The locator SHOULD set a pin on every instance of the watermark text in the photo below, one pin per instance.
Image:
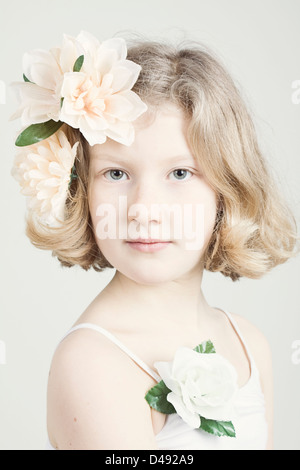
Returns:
(159, 222)
(296, 352)
(2, 92)
(296, 94)
(2, 353)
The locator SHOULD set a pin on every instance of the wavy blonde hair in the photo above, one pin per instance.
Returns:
(254, 229)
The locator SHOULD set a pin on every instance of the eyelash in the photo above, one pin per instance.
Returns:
(173, 171)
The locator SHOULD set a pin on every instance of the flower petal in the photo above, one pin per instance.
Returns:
(125, 75)
(118, 106)
(70, 51)
(118, 45)
(122, 132)
(191, 418)
(36, 103)
(164, 370)
(88, 42)
(41, 68)
(94, 137)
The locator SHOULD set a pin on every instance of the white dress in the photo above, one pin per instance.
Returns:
(250, 422)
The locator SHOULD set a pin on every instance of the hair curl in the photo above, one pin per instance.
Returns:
(254, 229)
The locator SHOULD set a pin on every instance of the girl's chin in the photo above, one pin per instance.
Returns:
(146, 276)
(153, 268)
(151, 276)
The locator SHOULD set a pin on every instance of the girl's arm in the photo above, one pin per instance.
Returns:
(96, 397)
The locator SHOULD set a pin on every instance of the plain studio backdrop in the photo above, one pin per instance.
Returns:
(258, 41)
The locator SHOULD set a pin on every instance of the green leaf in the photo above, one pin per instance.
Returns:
(157, 398)
(73, 176)
(206, 347)
(78, 64)
(26, 79)
(217, 428)
(37, 132)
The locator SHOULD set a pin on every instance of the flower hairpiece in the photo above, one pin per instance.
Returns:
(43, 171)
(200, 386)
(85, 84)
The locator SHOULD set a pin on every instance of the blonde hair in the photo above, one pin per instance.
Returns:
(254, 229)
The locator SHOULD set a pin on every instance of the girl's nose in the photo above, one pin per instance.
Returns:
(144, 205)
(144, 202)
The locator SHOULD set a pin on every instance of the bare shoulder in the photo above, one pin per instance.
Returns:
(96, 395)
(254, 337)
(260, 350)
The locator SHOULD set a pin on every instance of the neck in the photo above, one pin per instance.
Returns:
(178, 302)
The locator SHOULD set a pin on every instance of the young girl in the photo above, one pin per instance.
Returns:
(113, 146)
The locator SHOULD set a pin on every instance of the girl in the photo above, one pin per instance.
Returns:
(168, 180)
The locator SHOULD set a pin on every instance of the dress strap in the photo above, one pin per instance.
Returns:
(118, 343)
(241, 337)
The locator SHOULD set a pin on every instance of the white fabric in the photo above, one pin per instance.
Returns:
(250, 423)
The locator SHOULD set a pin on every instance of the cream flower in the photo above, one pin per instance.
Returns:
(97, 99)
(43, 172)
(201, 385)
(40, 97)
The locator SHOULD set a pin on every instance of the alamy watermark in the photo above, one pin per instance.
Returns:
(296, 94)
(295, 357)
(174, 222)
(2, 92)
(2, 353)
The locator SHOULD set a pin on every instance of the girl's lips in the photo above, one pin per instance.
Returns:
(148, 246)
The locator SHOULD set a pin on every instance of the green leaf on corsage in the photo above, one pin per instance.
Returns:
(78, 64)
(157, 398)
(217, 428)
(206, 347)
(37, 132)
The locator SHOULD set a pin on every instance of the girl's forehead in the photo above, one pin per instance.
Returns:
(160, 134)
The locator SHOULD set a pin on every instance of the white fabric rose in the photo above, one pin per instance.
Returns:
(43, 172)
(201, 385)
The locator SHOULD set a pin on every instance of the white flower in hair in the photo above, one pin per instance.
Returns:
(98, 100)
(43, 172)
(86, 84)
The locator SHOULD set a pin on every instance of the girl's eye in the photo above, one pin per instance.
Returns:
(181, 174)
(120, 175)
(114, 175)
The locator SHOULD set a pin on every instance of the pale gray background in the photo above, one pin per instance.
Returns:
(259, 41)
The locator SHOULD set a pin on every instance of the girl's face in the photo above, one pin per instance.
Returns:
(152, 209)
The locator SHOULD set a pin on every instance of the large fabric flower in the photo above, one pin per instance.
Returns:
(93, 95)
(200, 385)
(98, 100)
(43, 172)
